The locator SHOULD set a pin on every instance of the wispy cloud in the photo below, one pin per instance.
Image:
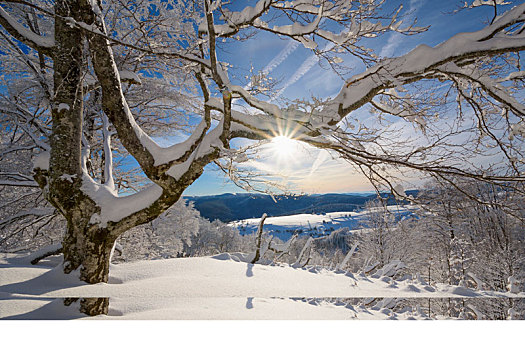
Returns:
(393, 42)
(281, 56)
(309, 170)
(396, 39)
(278, 59)
(302, 70)
(298, 74)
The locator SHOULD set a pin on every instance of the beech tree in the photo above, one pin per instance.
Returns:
(81, 59)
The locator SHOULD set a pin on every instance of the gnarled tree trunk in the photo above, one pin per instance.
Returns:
(88, 249)
(85, 246)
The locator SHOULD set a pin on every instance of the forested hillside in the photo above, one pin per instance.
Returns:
(230, 207)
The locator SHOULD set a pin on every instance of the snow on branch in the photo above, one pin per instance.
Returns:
(237, 20)
(491, 86)
(299, 31)
(114, 208)
(32, 212)
(18, 183)
(513, 76)
(55, 249)
(108, 164)
(308, 20)
(145, 150)
(319, 127)
(477, 3)
(424, 61)
(24, 35)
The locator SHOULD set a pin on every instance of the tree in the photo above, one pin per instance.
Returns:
(379, 240)
(86, 45)
(470, 238)
(180, 232)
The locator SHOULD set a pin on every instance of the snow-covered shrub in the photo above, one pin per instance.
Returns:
(180, 232)
(212, 238)
(473, 239)
(382, 239)
(27, 222)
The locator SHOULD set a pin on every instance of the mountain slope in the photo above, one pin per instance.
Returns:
(229, 207)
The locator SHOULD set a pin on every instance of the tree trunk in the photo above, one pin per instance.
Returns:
(88, 249)
(85, 246)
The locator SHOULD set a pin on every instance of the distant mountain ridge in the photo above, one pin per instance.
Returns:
(238, 206)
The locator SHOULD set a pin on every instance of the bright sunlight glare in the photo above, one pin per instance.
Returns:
(285, 147)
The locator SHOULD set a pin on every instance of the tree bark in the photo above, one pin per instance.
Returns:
(85, 246)
(88, 248)
(258, 240)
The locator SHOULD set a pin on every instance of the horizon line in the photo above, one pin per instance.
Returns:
(304, 194)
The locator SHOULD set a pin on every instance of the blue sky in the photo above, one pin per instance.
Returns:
(309, 170)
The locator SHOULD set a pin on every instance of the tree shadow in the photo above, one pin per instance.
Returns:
(52, 280)
(249, 303)
(249, 270)
(10, 296)
(54, 310)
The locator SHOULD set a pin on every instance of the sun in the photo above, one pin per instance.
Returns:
(284, 147)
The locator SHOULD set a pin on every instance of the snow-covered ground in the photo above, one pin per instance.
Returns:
(283, 227)
(220, 287)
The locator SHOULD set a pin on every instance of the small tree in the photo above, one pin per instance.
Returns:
(379, 240)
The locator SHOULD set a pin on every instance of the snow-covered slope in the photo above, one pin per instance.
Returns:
(283, 227)
(220, 287)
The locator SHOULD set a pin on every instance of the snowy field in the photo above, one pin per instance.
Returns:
(283, 227)
(219, 287)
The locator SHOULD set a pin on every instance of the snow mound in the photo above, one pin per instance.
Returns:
(224, 286)
(238, 257)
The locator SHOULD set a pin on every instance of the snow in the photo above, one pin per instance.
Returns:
(248, 13)
(68, 177)
(298, 220)
(514, 285)
(348, 255)
(477, 3)
(115, 208)
(284, 226)
(41, 161)
(399, 191)
(235, 19)
(130, 76)
(221, 287)
(308, 43)
(108, 155)
(298, 29)
(517, 129)
(29, 212)
(47, 42)
(423, 57)
(63, 107)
